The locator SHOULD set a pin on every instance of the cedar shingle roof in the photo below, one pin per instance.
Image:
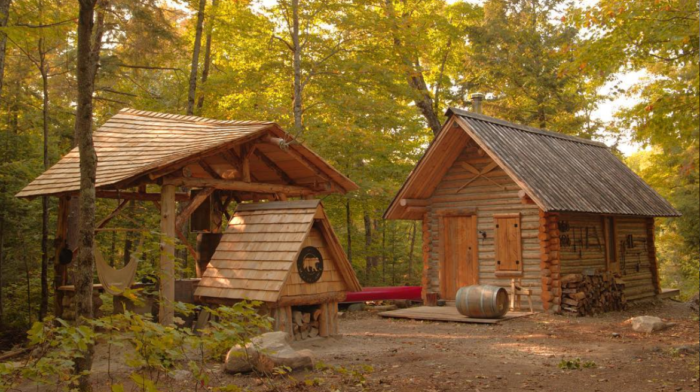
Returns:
(260, 246)
(136, 142)
(559, 172)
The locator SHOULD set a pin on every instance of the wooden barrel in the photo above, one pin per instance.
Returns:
(482, 301)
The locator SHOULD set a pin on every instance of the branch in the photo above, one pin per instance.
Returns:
(283, 41)
(109, 90)
(43, 26)
(148, 67)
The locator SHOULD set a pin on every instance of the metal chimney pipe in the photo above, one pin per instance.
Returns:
(477, 99)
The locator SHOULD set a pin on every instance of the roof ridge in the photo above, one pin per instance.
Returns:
(524, 128)
(194, 119)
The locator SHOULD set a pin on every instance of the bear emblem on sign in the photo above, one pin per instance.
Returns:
(310, 264)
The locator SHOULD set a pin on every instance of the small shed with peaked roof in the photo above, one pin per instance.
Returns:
(148, 156)
(286, 255)
(502, 201)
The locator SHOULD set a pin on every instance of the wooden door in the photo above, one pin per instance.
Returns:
(460, 262)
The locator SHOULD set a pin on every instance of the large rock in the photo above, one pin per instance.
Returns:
(265, 352)
(649, 324)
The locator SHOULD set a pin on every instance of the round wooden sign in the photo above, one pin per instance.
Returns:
(310, 264)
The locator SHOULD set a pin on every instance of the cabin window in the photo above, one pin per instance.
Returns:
(508, 246)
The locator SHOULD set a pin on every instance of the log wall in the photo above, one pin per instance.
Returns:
(637, 267)
(494, 194)
(637, 264)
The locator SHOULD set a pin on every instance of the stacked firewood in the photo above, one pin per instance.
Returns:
(305, 324)
(589, 294)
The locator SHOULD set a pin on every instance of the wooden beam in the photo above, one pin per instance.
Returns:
(414, 202)
(301, 159)
(137, 196)
(416, 210)
(239, 186)
(172, 167)
(114, 213)
(245, 164)
(273, 166)
(232, 159)
(207, 168)
(185, 242)
(167, 254)
(196, 202)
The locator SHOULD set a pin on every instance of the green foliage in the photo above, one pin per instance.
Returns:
(55, 346)
(354, 375)
(526, 60)
(153, 350)
(576, 364)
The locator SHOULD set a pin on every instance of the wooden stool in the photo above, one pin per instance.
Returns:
(517, 290)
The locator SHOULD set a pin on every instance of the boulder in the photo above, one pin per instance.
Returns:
(265, 352)
(649, 324)
(357, 307)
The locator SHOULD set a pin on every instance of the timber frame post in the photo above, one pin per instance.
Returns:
(167, 254)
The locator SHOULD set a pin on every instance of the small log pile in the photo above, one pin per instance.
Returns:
(585, 295)
(306, 324)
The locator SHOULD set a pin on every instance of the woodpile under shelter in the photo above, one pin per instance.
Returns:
(286, 255)
(501, 201)
(204, 164)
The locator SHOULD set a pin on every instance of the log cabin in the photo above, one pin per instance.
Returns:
(204, 164)
(501, 201)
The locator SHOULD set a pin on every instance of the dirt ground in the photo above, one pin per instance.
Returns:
(516, 355)
(377, 354)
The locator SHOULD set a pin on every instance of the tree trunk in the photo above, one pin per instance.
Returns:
(73, 207)
(348, 222)
(207, 54)
(195, 57)
(86, 70)
(43, 69)
(368, 246)
(414, 74)
(2, 257)
(297, 67)
(4, 14)
(29, 291)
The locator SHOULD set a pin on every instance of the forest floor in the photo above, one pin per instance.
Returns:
(377, 354)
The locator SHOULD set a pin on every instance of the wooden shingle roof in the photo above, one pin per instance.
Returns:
(560, 173)
(261, 245)
(134, 143)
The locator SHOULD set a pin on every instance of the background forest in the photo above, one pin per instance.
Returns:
(364, 83)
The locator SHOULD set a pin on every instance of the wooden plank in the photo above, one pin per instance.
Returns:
(103, 194)
(196, 202)
(244, 186)
(279, 205)
(445, 313)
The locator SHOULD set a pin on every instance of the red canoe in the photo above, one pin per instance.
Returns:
(385, 293)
